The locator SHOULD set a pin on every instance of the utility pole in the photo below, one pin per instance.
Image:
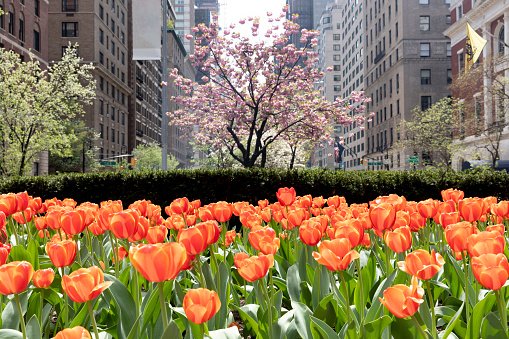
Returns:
(164, 139)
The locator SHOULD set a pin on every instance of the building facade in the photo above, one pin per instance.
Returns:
(100, 28)
(485, 105)
(407, 65)
(24, 29)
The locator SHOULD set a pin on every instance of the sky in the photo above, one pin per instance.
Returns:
(233, 10)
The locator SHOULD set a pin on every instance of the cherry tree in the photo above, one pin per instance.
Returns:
(256, 92)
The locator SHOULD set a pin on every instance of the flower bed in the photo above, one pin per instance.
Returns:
(301, 267)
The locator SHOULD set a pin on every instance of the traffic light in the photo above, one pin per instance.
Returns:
(133, 161)
(364, 162)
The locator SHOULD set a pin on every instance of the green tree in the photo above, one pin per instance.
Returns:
(431, 132)
(82, 150)
(34, 103)
(149, 157)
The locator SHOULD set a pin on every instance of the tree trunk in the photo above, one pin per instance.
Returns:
(292, 160)
(264, 158)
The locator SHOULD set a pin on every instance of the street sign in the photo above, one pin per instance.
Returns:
(413, 160)
(108, 163)
(377, 163)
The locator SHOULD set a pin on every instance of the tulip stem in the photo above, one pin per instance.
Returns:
(40, 308)
(268, 304)
(201, 277)
(114, 254)
(78, 250)
(432, 307)
(14, 230)
(387, 261)
(361, 294)
(92, 318)
(346, 296)
(163, 304)
(66, 307)
(103, 253)
(21, 319)
(501, 309)
(136, 292)
(416, 323)
(467, 302)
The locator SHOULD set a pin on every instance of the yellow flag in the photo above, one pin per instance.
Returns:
(475, 44)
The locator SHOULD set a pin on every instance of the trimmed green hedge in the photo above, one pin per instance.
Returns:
(254, 184)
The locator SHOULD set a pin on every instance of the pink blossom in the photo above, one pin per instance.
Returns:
(188, 36)
(330, 69)
(242, 21)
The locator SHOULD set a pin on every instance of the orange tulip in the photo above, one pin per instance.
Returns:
(5, 249)
(205, 213)
(336, 201)
(452, 194)
(263, 203)
(61, 253)
(471, 209)
(77, 332)
(239, 257)
(310, 232)
(141, 206)
(318, 202)
(457, 234)
(256, 236)
(69, 202)
(95, 228)
(500, 209)
(179, 206)
(500, 228)
(121, 252)
(350, 229)
(200, 305)
(335, 254)
(255, 267)
(40, 223)
(485, 242)
(43, 278)
(491, 270)
(8, 204)
(266, 215)
(72, 223)
(403, 301)
(417, 221)
(286, 196)
(230, 237)
(197, 238)
(85, 284)
(306, 201)
(156, 234)
(15, 277)
(158, 262)
(447, 219)
(24, 216)
(222, 211)
(53, 217)
(296, 217)
(402, 219)
(141, 230)
(250, 219)
(448, 206)
(398, 202)
(411, 207)
(428, 208)
(422, 264)
(382, 216)
(124, 224)
(399, 240)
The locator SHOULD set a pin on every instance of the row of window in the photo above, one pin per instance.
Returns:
(110, 135)
(11, 25)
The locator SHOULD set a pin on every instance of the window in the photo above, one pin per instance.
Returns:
(397, 31)
(1, 16)
(336, 37)
(424, 23)
(122, 18)
(423, 2)
(448, 19)
(460, 60)
(112, 26)
(448, 47)
(123, 117)
(69, 5)
(36, 7)
(101, 58)
(122, 37)
(425, 77)
(101, 36)
(37, 39)
(397, 82)
(101, 83)
(21, 28)
(425, 50)
(101, 12)
(122, 58)
(501, 44)
(449, 76)
(337, 78)
(101, 133)
(11, 21)
(101, 107)
(425, 102)
(69, 29)
(337, 88)
(459, 12)
(326, 20)
(112, 48)
(337, 67)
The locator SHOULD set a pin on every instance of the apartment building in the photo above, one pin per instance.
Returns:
(100, 28)
(483, 122)
(24, 29)
(407, 65)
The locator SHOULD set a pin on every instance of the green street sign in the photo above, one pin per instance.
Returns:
(108, 163)
(377, 163)
(413, 161)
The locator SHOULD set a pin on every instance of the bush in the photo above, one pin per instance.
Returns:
(253, 184)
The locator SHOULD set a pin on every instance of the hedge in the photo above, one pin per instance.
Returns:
(253, 184)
